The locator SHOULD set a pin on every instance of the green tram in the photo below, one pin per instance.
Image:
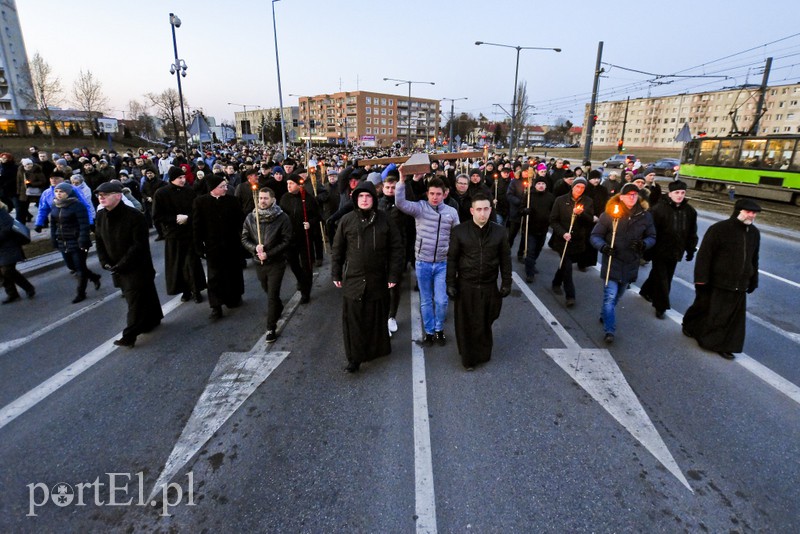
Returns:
(762, 167)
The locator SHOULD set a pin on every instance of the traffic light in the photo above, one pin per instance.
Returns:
(620, 146)
(594, 119)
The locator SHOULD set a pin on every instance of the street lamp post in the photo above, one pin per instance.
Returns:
(179, 70)
(409, 82)
(452, 118)
(278, 67)
(516, 76)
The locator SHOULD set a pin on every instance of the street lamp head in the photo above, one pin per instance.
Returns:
(172, 69)
(478, 43)
(174, 20)
(557, 49)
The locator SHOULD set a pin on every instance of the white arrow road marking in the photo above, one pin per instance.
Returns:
(234, 379)
(425, 498)
(14, 343)
(236, 376)
(596, 372)
(60, 379)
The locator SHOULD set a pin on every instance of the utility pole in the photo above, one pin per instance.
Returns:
(587, 148)
(764, 81)
(625, 122)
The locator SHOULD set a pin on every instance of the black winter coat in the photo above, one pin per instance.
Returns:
(276, 234)
(168, 203)
(293, 206)
(728, 256)
(541, 207)
(10, 249)
(123, 243)
(217, 227)
(367, 254)
(560, 217)
(477, 254)
(676, 230)
(634, 225)
(69, 224)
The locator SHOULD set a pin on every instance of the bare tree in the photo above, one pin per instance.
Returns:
(523, 112)
(87, 92)
(168, 108)
(140, 119)
(47, 91)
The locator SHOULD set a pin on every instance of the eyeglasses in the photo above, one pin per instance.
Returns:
(104, 195)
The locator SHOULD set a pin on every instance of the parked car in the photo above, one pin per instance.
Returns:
(618, 161)
(665, 166)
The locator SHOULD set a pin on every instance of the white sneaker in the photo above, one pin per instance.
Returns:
(392, 324)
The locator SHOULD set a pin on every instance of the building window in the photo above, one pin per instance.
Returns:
(369, 101)
(391, 131)
(374, 111)
(369, 120)
(383, 122)
(391, 112)
(391, 101)
(383, 111)
(369, 110)
(391, 122)
(383, 101)
(369, 130)
(383, 131)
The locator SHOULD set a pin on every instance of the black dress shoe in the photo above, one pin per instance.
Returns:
(31, 292)
(125, 342)
(428, 340)
(198, 298)
(10, 299)
(352, 367)
(557, 290)
(304, 299)
(80, 297)
(727, 355)
(686, 332)
(186, 297)
(216, 313)
(96, 283)
(660, 314)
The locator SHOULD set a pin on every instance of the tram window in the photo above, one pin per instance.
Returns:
(779, 154)
(708, 149)
(729, 152)
(795, 165)
(691, 152)
(752, 152)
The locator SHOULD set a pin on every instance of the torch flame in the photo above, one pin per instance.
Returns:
(254, 187)
(579, 208)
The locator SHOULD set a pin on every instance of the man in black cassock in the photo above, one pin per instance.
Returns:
(303, 212)
(123, 248)
(172, 208)
(217, 227)
(726, 270)
(478, 250)
(367, 240)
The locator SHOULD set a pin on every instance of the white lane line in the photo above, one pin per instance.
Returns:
(7, 346)
(779, 278)
(596, 371)
(425, 498)
(560, 331)
(763, 372)
(791, 336)
(63, 377)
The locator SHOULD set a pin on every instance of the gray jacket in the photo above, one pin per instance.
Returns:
(433, 225)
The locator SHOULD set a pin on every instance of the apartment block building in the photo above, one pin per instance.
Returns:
(367, 118)
(654, 122)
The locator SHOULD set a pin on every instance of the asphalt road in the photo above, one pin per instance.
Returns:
(555, 434)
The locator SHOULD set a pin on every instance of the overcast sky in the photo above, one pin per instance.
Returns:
(331, 45)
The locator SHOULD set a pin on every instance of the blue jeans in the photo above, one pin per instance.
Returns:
(432, 294)
(611, 295)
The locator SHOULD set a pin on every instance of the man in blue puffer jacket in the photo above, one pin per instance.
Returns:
(433, 220)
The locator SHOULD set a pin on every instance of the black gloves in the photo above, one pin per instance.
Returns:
(37, 229)
(638, 246)
(608, 251)
(751, 288)
(505, 291)
(452, 292)
(525, 212)
(690, 255)
(110, 268)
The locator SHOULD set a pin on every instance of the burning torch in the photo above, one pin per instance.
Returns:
(577, 210)
(615, 216)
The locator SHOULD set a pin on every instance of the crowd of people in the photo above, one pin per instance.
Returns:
(455, 226)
